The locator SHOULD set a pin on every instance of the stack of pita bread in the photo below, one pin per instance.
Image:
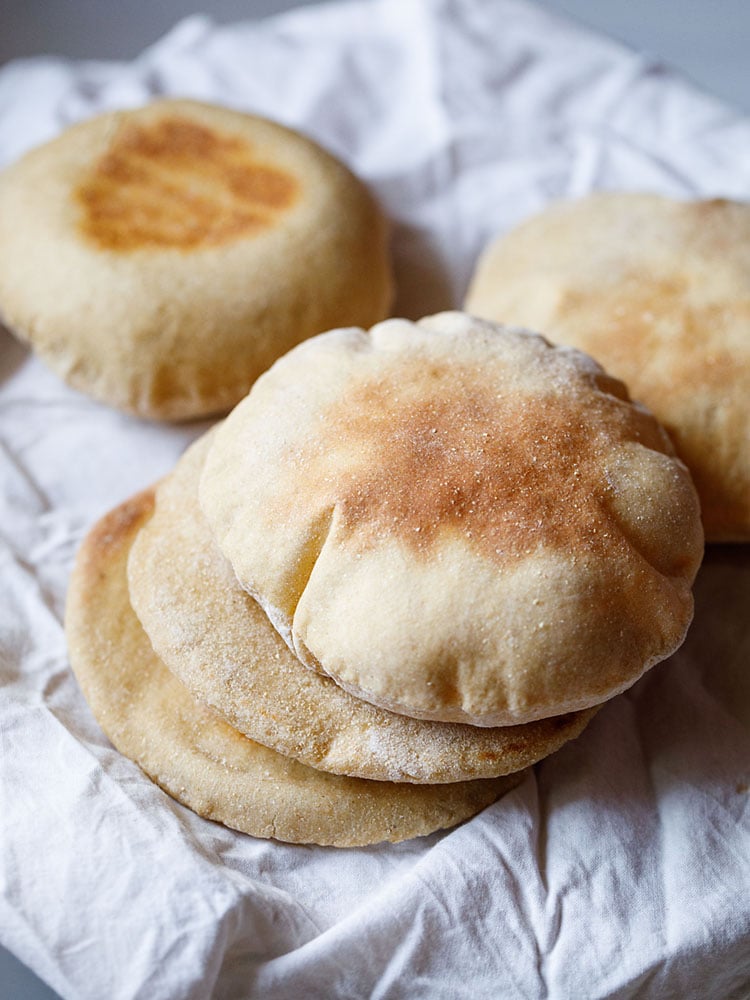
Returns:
(410, 563)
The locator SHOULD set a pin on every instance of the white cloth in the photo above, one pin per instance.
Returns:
(621, 866)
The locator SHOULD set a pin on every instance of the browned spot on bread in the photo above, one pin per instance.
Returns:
(444, 450)
(178, 184)
(677, 357)
(626, 325)
(116, 528)
(108, 540)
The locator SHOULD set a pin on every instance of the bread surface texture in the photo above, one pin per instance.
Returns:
(658, 291)
(457, 521)
(216, 639)
(196, 756)
(160, 259)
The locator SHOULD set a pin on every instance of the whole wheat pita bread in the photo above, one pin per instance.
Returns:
(217, 641)
(658, 291)
(199, 759)
(457, 521)
(160, 259)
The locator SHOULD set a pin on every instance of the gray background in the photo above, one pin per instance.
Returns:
(706, 39)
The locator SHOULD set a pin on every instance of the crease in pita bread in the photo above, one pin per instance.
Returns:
(215, 639)
(507, 536)
(195, 756)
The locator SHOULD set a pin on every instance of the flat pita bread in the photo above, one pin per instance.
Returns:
(658, 291)
(217, 641)
(457, 521)
(199, 759)
(160, 259)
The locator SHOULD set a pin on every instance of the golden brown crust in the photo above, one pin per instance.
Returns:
(657, 290)
(430, 464)
(200, 760)
(175, 183)
(214, 241)
(218, 642)
(457, 521)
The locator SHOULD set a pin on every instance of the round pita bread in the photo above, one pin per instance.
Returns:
(200, 760)
(218, 642)
(457, 521)
(658, 291)
(160, 259)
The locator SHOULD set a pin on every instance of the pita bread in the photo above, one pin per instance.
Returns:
(160, 259)
(200, 760)
(457, 521)
(658, 291)
(217, 641)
